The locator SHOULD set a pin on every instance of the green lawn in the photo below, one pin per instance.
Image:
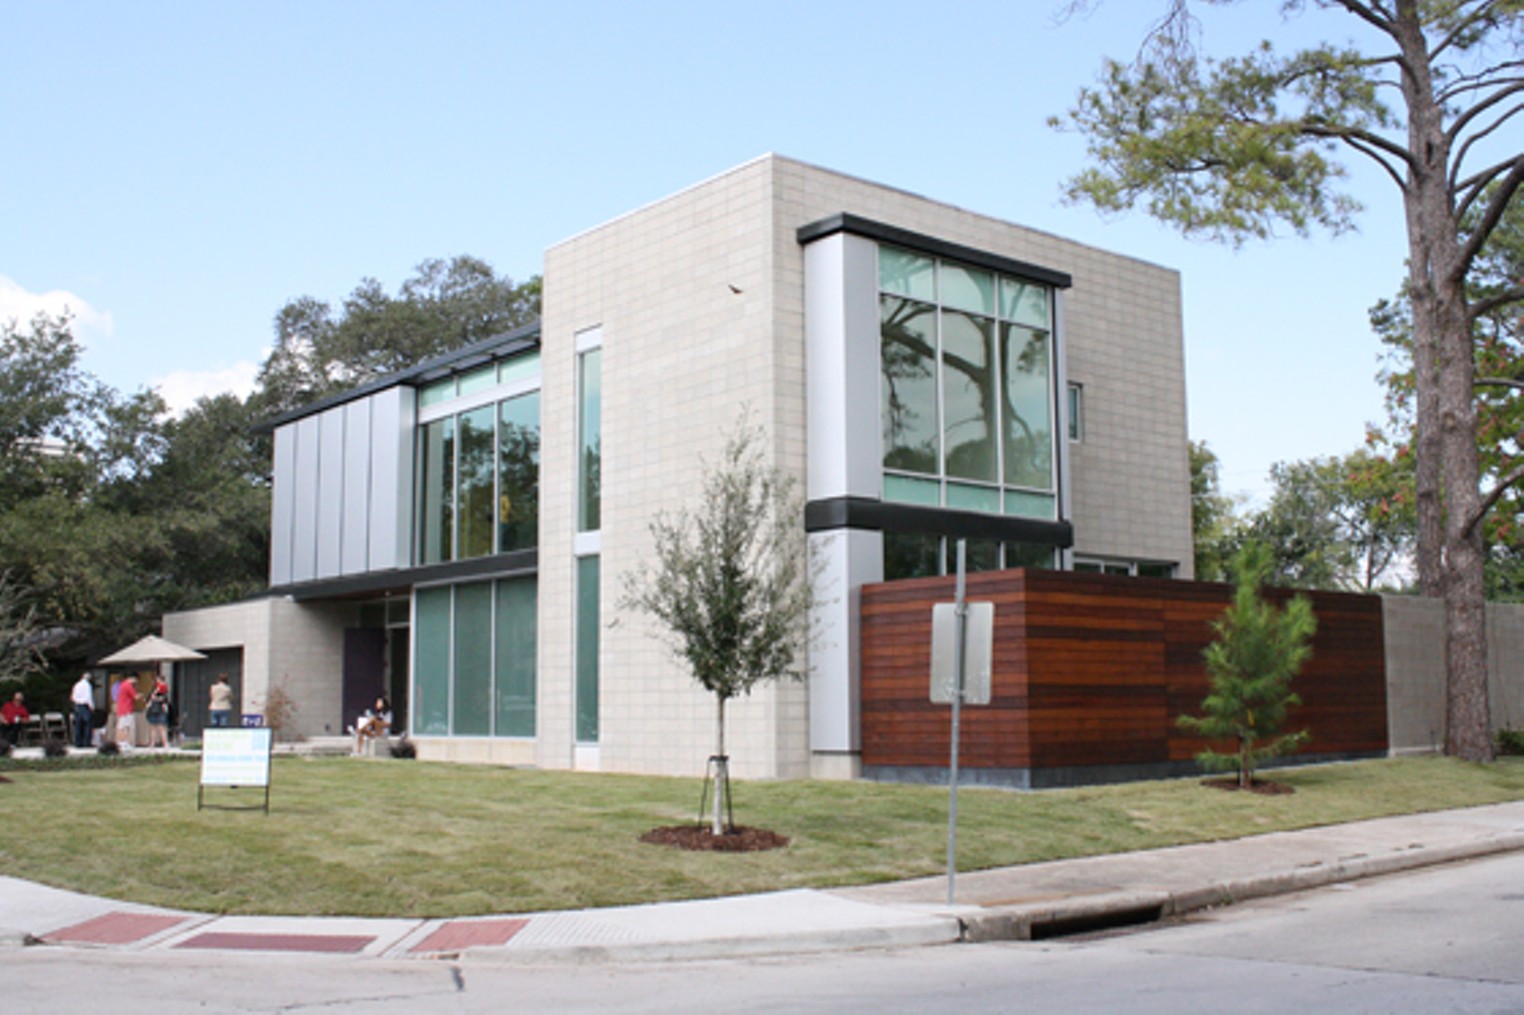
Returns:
(396, 838)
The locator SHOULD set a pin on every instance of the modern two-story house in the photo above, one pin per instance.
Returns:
(455, 536)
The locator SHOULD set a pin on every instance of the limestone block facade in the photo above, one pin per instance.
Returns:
(915, 366)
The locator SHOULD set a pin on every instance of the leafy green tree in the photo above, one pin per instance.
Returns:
(19, 634)
(1214, 522)
(1258, 650)
(729, 581)
(1230, 149)
(443, 306)
(1336, 522)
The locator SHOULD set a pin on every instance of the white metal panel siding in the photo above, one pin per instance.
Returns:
(392, 415)
(842, 372)
(330, 493)
(304, 529)
(354, 558)
(283, 505)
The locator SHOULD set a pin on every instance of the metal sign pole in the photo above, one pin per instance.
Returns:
(960, 609)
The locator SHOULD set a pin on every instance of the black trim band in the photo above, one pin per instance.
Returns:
(519, 562)
(886, 516)
(859, 226)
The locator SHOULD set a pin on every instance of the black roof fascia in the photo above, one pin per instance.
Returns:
(493, 347)
(518, 562)
(845, 222)
(836, 513)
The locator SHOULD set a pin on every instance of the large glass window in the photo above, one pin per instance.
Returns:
(918, 555)
(474, 668)
(479, 466)
(966, 385)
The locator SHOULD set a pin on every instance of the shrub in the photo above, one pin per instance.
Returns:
(404, 749)
(54, 748)
(1510, 741)
(280, 709)
(108, 749)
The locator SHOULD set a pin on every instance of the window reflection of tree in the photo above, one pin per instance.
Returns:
(967, 348)
(475, 481)
(592, 495)
(1028, 451)
(518, 486)
(909, 358)
(908, 365)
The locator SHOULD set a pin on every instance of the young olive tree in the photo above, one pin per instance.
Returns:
(730, 582)
(1259, 649)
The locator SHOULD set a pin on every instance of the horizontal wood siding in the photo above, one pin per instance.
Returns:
(1094, 669)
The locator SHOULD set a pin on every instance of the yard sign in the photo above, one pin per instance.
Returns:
(235, 758)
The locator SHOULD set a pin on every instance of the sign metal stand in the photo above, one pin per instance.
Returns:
(962, 637)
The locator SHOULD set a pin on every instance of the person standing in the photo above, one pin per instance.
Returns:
(127, 698)
(83, 697)
(221, 708)
(157, 714)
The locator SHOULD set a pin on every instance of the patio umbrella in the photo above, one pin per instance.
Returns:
(151, 649)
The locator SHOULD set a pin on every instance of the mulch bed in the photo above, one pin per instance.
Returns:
(1260, 786)
(739, 839)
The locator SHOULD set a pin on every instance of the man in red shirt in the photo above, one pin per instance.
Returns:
(14, 714)
(127, 698)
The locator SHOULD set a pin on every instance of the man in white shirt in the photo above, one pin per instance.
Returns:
(83, 697)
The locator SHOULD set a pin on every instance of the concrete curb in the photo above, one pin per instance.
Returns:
(1028, 922)
(12, 938)
(941, 931)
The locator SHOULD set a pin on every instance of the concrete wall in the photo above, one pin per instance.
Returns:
(1415, 669)
(299, 647)
(700, 301)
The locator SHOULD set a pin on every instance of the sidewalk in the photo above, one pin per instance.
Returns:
(1012, 903)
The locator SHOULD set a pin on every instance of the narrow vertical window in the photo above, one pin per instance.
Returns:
(431, 668)
(587, 649)
(514, 657)
(473, 660)
(1076, 412)
(590, 441)
(436, 492)
(518, 482)
(475, 481)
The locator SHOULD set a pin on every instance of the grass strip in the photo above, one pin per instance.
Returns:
(391, 838)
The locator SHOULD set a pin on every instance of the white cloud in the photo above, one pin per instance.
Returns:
(183, 388)
(19, 305)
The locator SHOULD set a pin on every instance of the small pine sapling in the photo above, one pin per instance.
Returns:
(1258, 650)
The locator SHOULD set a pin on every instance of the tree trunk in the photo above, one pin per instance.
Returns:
(722, 770)
(1444, 370)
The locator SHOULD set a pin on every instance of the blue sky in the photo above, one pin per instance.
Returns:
(177, 171)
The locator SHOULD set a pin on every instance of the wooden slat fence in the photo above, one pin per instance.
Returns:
(1090, 672)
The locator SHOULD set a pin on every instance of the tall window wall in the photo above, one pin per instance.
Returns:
(474, 665)
(479, 462)
(966, 368)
